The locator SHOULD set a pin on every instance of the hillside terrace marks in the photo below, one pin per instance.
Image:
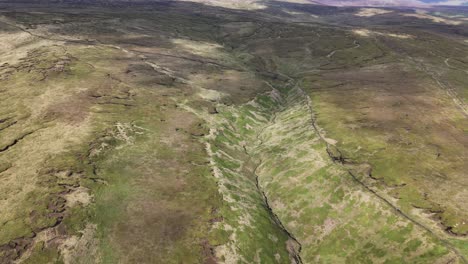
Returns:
(268, 129)
(400, 212)
(351, 89)
(458, 101)
(450, 91)
(337, 157)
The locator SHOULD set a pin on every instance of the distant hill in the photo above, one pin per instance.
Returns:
(256, 4)
(414, 3)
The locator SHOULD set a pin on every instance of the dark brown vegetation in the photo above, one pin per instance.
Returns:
(183, 132)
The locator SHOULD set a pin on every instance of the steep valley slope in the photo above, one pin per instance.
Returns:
(232, 132)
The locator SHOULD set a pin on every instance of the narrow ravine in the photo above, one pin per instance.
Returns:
(269, 158)
(294, 97)
(248, 203)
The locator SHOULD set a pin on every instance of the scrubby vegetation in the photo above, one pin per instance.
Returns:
(273, 132)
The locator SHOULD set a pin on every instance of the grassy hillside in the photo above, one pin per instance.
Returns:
(274, 132)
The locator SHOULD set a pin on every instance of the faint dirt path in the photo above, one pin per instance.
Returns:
(341, 160)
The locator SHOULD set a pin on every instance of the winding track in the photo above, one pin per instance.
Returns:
(297, 258)
(397, 210)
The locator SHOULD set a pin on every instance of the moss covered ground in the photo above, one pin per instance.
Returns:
(179, 132)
